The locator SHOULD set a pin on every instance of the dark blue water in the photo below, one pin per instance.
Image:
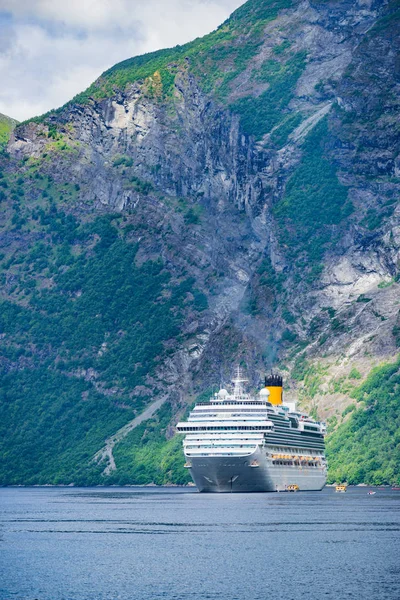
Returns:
(176, 544)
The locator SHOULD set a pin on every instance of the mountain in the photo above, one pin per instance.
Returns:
(231, 200)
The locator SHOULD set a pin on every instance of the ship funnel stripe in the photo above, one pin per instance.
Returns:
(273, 380)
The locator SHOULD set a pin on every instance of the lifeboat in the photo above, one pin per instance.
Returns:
(293, 487)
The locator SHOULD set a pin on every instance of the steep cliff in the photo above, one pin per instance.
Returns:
(234, 199)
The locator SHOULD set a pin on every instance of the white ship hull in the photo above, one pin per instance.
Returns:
(252, 473)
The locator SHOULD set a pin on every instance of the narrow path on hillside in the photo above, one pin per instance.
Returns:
(106, 453)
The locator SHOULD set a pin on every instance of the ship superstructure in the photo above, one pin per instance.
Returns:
(243, 443)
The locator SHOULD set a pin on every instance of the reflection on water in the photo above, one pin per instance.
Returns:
(176, 544)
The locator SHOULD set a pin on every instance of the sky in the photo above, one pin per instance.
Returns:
(51, 50)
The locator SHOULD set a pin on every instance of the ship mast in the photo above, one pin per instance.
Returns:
(238, 381)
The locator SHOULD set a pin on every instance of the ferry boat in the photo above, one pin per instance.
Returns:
(341, 488)
(238, 442)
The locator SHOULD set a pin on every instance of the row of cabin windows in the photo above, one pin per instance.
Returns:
(230, 403)
(276, 436)
(201, 415)
(295, 463)
(287, 450)
(223, 442)
(233, 427)
(210, 447)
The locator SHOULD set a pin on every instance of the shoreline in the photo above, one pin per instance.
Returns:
(166, 486)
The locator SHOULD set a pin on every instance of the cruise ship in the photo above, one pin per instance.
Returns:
(237, 442)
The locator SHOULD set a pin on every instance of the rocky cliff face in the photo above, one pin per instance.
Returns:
(262, 162)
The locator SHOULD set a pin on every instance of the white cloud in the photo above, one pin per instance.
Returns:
(51, 50)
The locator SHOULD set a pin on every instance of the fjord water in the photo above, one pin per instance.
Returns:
(176, 544)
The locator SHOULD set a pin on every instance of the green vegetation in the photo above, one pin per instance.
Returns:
(143, 187)
(101, 315)
(391, 18)
(311, 378)
(355, 374)
(52, 131)
(314, 203)
(51, 424)
(349, 409)
(281, 48)
(375, 218)
(119, 160)
(300, 368)
(192, 217)
(260, 114)
(341, 385)
(216, 59)
(366, 447)
(147, 456)
(288, 317)
(385, 284)
(6, 127)
(364, 299)
(280, 134)
(100, 301)
(258, 10)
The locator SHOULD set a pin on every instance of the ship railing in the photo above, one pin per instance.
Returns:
(223, 454)
(218, 446)
(232, 401)
(217, 426)
(245, 435)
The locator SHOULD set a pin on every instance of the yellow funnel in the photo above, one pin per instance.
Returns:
(274, 385)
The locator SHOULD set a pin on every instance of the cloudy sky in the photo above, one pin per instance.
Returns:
(52, 49)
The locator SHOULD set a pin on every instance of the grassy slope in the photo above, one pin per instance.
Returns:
(6, 126)
(366, 447)
(51, 425)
